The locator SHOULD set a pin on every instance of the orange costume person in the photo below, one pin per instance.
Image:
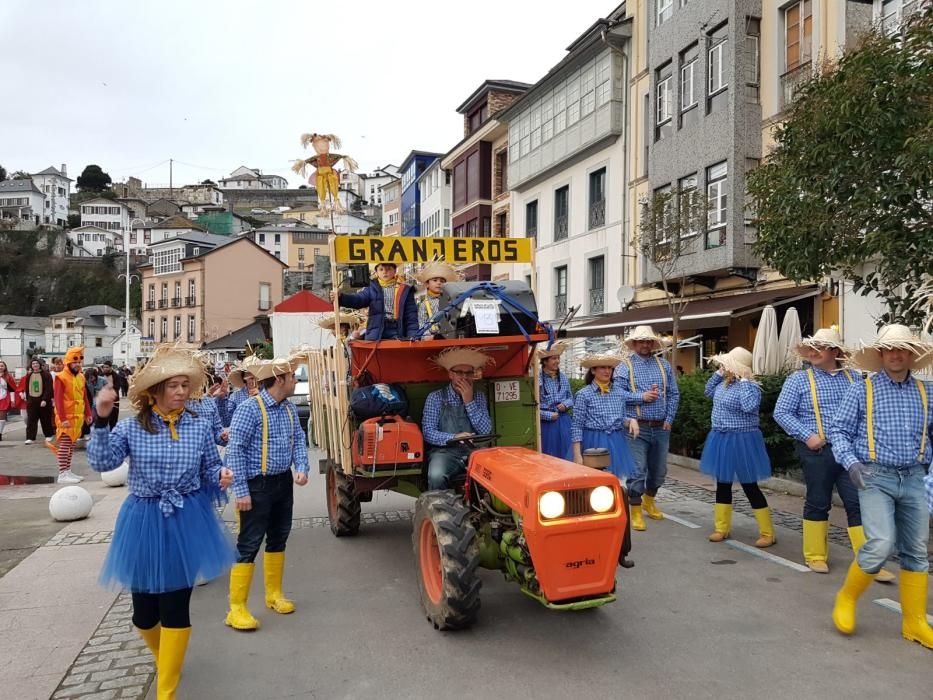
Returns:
(324, 176)
(72, 411)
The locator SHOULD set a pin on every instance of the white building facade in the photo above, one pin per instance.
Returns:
(244, 178)
(21, 337)
(436, 200)
(106, 214)
(94, 241)
(127, 347)
(93, 327)
(56, 186)
(22, 202)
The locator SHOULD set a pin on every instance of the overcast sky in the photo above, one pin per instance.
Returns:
(216, 84)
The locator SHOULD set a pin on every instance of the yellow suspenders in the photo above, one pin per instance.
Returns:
(265, 430)
(631, 375)
(870, 418)
(816, 404)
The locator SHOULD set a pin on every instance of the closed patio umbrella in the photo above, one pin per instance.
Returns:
(789, 339)
(766, 355)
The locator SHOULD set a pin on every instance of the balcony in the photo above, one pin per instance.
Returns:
(150, 305)
(791, 82)
(560, 305)
(163, 303)
(191, 337)
(190, 301)
(176, 301)
(597, 213)
(561, 227)
(597, 301)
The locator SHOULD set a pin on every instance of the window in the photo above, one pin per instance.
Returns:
(892, 13)
(278, 239)
(663, 97)
(717, 197)
(665, 9)
(561, 213)
(597, 213)
(560, 291)
(717, 81)
(166, 261)
(501, 175)
(688, 92)
(152, 292)
(176, 301)
(752, 58)
(262, 238)
(164, 297)
(265, 296)
(98, 342)
(191, 291)
(177, 327)
(798, 26)
(151, 327)
(665, 229)
(688, 193)
(191, 333)
(163, 328)
(597, 284)
(531, 219)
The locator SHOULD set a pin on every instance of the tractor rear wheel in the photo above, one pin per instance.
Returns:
(447, 557)
(343, 506)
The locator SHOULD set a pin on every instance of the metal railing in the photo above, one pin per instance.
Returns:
(163, 303)
(176, 301)
(150, 305)
(560, 305)
(598, 213)
(597, 301)
(190, 301)
(561, 228)
(791, 82)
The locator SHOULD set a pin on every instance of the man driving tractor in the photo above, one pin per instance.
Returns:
(453, 413)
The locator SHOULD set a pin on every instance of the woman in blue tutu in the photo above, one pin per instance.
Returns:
(555, 402)
(735, 448)
(167, 537)
(599, 416)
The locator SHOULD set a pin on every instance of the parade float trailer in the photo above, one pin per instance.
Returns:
(556, 528)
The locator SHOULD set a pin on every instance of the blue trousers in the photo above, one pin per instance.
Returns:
(269, 518)
(822, 472)
(445, 463)
(649, 450)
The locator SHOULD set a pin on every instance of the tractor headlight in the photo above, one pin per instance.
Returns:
(551, 504)
(602, 499)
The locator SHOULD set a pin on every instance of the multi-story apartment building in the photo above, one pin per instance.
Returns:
(198, 287)
(147, 233)
(56, 186)
(435, 192)
(410, 202)
(391, 208)
(106, 214)
(346, 223)
(20, 338)
(566, 172)
(244, 178)
(21, 203)
(94, 327)
(94, 241)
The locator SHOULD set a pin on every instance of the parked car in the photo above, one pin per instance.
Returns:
(300, 397)
(258, 211)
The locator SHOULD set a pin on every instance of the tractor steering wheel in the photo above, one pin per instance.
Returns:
(473, 441)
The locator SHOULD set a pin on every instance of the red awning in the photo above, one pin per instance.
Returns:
(303, 302)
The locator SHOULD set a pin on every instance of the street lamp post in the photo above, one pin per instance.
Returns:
(128, 278)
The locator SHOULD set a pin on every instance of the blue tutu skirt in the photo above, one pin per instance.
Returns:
(622, 464)
(555, 437)
(151, 553)
(731, 456)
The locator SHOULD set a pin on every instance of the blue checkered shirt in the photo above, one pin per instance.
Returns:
(554, 391)
(594, 410)
(898, 423)
(735, 405)
(160, 467)
(224, 409)
(235, 399)
(476, 410)
(206, 407)
(427, 307)
(286, 446)
(794, 408)
(647, 373)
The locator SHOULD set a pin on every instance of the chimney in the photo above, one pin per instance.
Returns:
(64, 170)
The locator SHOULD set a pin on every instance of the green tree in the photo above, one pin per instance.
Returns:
(21, 175)
(2, 173)
(74, 220)
(93, 179)
(847, 188)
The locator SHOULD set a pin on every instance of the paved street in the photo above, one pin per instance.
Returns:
(693, 619)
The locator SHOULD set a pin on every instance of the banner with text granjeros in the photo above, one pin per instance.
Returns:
(456, 251)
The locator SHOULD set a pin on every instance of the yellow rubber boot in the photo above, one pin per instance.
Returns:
(151, 638)
(650, 508)
(766, 536)
(239, 616)
(816, 545)
(847, 598)
(273, 568)
(638, 522)
(857, 538)
(722, 517)
(914, 625)
(172, 650)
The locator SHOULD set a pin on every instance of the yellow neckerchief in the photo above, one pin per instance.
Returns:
(631, 375)
(170, 418)
(816, 404)
(433, 295)
(387, 283)
(870, 418)
(265, 430)
(603, 388)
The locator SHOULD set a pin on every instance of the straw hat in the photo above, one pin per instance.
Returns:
(454, 357)
(236, 373)
(351, 317)
(644, 333)
(74, 354)
(737, 361)
(166, 362)
(556, 350)
(600, 360)
(894, 336)
(267, 369)
(823, 338)
(437, 269)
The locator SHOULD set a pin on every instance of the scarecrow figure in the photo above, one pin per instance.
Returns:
(324, 177)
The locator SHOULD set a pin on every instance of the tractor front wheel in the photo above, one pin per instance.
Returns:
(343, 505)
(447, 556)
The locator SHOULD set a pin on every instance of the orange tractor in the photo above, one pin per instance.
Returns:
(557, 529)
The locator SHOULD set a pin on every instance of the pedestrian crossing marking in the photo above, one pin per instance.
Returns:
(682, 521)
(760, 553)
(894, 606)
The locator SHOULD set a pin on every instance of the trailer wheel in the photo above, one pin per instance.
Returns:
(447, 557)
(343, 506)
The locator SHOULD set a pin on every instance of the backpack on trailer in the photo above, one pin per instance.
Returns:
(378, 400)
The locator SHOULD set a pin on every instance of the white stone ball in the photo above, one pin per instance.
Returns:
(70, 503)
(116, 477)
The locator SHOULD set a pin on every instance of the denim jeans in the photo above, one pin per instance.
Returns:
(821, 472)
(269, 518)
(444, 463)
(649, 450)
(895, 517)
